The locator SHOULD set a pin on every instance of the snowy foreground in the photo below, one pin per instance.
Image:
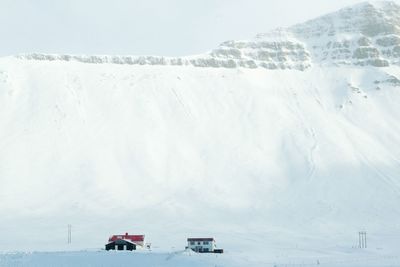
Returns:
(349, 258)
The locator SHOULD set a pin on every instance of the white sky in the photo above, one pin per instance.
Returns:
(157, 27)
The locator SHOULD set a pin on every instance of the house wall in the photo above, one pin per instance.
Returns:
(120, 245)
(201, 246)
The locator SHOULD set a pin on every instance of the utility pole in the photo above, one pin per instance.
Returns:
(362, 239)
(365, 239)
(69, 234)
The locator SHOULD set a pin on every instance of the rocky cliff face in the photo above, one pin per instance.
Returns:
(364, 34)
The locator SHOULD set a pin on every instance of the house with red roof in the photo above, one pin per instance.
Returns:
(125, 242)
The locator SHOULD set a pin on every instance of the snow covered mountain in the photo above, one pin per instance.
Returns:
(289, 139)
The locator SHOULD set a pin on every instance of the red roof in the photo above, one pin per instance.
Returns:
(201, 239)
(133, 238)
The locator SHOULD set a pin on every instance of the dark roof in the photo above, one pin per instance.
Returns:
(121, 242)
(200, 239)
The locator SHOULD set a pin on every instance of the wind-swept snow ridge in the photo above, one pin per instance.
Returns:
(280, 51)
(230, 54)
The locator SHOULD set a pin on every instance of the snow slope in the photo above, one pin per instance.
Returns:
(261, 159)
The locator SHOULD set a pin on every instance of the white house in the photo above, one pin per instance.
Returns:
(202, 245)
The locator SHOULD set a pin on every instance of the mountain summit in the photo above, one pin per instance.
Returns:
(369, 19)
(364, 34)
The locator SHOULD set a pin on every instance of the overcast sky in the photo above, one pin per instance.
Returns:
(157, 27)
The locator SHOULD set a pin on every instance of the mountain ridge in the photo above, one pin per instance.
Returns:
(365, 34)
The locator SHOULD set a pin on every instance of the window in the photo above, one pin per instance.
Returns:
(192, 243)
(205, 243)
(198, 243)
